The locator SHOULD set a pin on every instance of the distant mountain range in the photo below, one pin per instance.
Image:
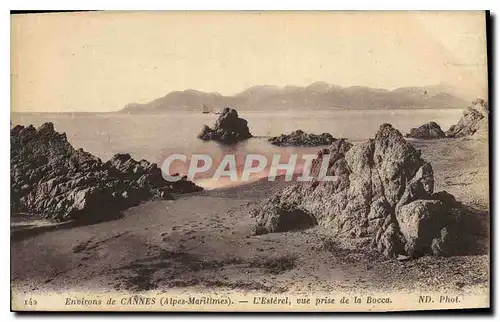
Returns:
(317, 96)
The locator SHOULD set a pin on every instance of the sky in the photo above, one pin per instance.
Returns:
(102, 61)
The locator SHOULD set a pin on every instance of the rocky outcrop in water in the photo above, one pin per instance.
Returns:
(430, 130)
(300, 138)
(473, 122)
(381, 195)
(228, 129)
(51, 179)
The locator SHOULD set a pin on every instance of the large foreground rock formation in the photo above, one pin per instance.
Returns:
(430, 130)
(382, 195)
(300, 138)
(473, 122)
(228, 129)
(51, 179)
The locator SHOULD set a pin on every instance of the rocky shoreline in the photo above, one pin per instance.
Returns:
(203, 242)
(206, 241)
(381, 196)
(474, 122)
(51, 179)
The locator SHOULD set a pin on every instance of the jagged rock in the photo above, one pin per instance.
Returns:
(473, 122)
(381, 193)
(429, 130)
(228, 129)
(300, 138)
(51, 179)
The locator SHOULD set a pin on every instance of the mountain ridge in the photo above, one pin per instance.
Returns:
(316, 96)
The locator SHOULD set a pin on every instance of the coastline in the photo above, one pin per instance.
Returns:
(204, 239)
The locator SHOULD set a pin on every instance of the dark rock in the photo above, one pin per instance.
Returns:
(49, 178)
(284, 218)
(300, 138)
(382, 194)
(429, 130)
(228, 129)
(473, 122)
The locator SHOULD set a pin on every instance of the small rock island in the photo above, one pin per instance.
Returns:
(228, 129)
(430, 130)
(300, 138)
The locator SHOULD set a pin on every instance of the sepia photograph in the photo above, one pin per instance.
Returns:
(249, 161)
